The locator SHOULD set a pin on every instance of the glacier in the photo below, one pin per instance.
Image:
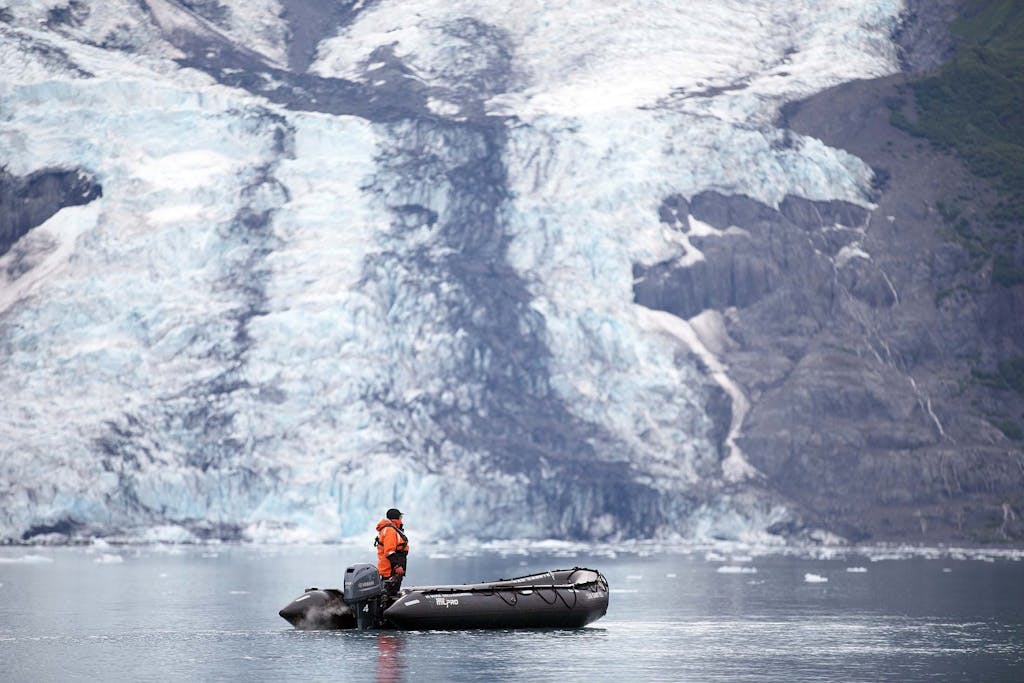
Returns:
(287, 313)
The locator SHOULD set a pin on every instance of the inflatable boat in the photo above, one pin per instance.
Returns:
(562, 598)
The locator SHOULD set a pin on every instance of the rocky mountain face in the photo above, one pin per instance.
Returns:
(867, 339)
(30, 200)
(272, 267)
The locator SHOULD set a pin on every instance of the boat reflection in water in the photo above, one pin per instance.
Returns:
(390, 662)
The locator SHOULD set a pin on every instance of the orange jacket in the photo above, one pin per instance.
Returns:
(392, 546)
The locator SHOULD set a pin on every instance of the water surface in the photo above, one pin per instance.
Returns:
(210, 613)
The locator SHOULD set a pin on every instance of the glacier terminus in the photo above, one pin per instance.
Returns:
(277, 265)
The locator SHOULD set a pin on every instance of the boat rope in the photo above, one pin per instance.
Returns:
(509, 592)
(511, 603)
(554, 597)
(492, 588)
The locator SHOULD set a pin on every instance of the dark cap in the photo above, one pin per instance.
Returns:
(393, 513)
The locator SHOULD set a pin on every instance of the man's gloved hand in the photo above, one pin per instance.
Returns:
(400, 571)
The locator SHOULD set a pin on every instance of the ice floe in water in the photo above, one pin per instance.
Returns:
(27, 559)
(727, 552)
(109, 558)
(734, 569)
(716, 552)
(815, 578)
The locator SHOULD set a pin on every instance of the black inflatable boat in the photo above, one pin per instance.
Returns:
(563, 598)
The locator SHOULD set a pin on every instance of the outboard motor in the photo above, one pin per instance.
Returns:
(364, 594)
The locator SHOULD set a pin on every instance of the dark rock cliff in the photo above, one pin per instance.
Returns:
(28, 201)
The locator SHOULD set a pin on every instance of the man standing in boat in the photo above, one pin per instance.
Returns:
(392, 550)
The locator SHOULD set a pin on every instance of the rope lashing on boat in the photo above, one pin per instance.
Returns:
(510, 592)
(511, 603)
(513, 595)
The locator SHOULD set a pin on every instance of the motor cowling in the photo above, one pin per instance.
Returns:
(364, 594)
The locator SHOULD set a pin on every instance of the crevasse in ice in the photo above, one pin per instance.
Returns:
(276, 324)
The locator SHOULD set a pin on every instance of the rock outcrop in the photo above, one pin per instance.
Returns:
(869, 342)
(28, 201)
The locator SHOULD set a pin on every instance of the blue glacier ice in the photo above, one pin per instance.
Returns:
(278, 322)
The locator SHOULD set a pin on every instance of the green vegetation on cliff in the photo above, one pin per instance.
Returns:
(975, 103)
(973, 106)
(1008, 375)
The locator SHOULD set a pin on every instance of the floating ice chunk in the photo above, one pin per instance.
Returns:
(826, 538)
(634, 577)
(109, 558)
(714, 557)
(815, 578)
(890, 556)
(734, 569)
(946, 570)
(857, 570)
(238, 592)
(26, 559)
(439, 556)
(670, 575)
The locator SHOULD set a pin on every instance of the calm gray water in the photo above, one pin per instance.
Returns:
(210, 613)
